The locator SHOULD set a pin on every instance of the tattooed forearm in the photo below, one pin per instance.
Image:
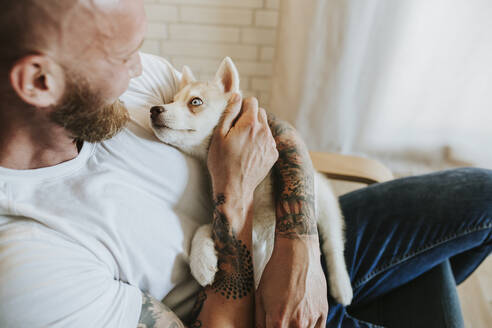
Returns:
(155, 314)
(235, 276)
(234, 280)
(294, 183)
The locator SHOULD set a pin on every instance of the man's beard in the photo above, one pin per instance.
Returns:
(85, 115)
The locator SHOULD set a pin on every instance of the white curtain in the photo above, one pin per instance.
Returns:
(407, 79)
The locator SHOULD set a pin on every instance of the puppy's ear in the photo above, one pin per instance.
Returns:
(186, 77)
(227, 76)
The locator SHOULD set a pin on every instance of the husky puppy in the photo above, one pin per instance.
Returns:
(188, 124)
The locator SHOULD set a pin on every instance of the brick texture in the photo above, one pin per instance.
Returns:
(200, 33)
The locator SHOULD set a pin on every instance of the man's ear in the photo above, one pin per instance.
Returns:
(227, 76)
(186, 77)
(38, 80)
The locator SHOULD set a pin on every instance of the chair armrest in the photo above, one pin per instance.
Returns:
(350, 168)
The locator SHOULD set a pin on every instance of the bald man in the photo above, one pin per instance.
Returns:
(97, 216)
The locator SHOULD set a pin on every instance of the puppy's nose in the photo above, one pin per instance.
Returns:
(156, 110)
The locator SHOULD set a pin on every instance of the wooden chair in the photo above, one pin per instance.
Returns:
(348, 172)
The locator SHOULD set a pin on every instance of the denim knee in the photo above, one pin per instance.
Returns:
(476, 184)
(476, 180)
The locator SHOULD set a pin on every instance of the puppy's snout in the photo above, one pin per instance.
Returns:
(156, 110)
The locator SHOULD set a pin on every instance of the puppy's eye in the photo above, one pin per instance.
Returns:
(196, 102)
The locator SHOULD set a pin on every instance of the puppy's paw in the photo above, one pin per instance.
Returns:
(203, 256)
(340, 287)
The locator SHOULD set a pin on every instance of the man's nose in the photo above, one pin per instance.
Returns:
(156, 110)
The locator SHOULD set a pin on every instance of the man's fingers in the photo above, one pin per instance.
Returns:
(262, 117)
(250, 112)
(231, 113)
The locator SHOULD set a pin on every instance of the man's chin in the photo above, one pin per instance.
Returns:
(93, 125)
(85, 113)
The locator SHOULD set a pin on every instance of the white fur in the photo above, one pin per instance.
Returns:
(203, 257)
(191, 133)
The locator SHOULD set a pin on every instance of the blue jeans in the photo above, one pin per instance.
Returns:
(399, 230)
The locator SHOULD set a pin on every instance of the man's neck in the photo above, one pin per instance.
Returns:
(28, 145)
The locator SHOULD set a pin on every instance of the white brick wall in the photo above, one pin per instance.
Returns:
(200, 33)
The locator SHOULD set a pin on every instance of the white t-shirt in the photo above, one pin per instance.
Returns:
(79, 241)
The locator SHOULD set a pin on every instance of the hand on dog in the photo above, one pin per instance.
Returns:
(241, 153)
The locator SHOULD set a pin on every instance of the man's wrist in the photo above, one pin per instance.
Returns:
(233, 194)
(235, 207)
(301, 246)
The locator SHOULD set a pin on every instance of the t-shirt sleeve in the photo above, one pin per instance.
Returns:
(48, 281)
(157, 85)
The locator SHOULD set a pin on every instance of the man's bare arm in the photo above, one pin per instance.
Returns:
(293, 286)
(229, 301)
(294, 183)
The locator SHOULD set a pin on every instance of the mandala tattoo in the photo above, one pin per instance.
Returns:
(294, 183)
(235, 276)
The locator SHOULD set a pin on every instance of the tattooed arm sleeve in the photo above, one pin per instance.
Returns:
(294, 183)
(229, 301)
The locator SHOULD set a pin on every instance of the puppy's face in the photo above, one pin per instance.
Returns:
(189, 121)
